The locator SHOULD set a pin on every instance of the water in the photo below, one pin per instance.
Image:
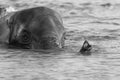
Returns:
(96, 21)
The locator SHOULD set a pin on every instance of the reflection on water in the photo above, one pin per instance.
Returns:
(98, 23)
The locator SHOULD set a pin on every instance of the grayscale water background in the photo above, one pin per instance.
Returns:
(94, 20)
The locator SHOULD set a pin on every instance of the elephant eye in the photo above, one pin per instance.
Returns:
(25, 37)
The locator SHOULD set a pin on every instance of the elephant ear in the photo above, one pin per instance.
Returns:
(10, 20)
(86, 48)
(4, 31)
(5, 21)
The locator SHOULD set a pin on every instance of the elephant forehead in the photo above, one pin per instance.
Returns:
(42, 25)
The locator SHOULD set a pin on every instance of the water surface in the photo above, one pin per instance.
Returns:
(98, 22)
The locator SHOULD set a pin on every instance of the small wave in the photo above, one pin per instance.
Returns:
(99, 22)
(93, 37)
(111, 31)
(106, 5)
(13, 0)
(101, 38)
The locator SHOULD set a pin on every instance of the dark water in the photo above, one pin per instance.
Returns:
(99, 23)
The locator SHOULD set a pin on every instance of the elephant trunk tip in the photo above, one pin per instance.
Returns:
(86, 48)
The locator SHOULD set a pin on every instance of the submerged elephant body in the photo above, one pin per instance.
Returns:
(36, 28)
